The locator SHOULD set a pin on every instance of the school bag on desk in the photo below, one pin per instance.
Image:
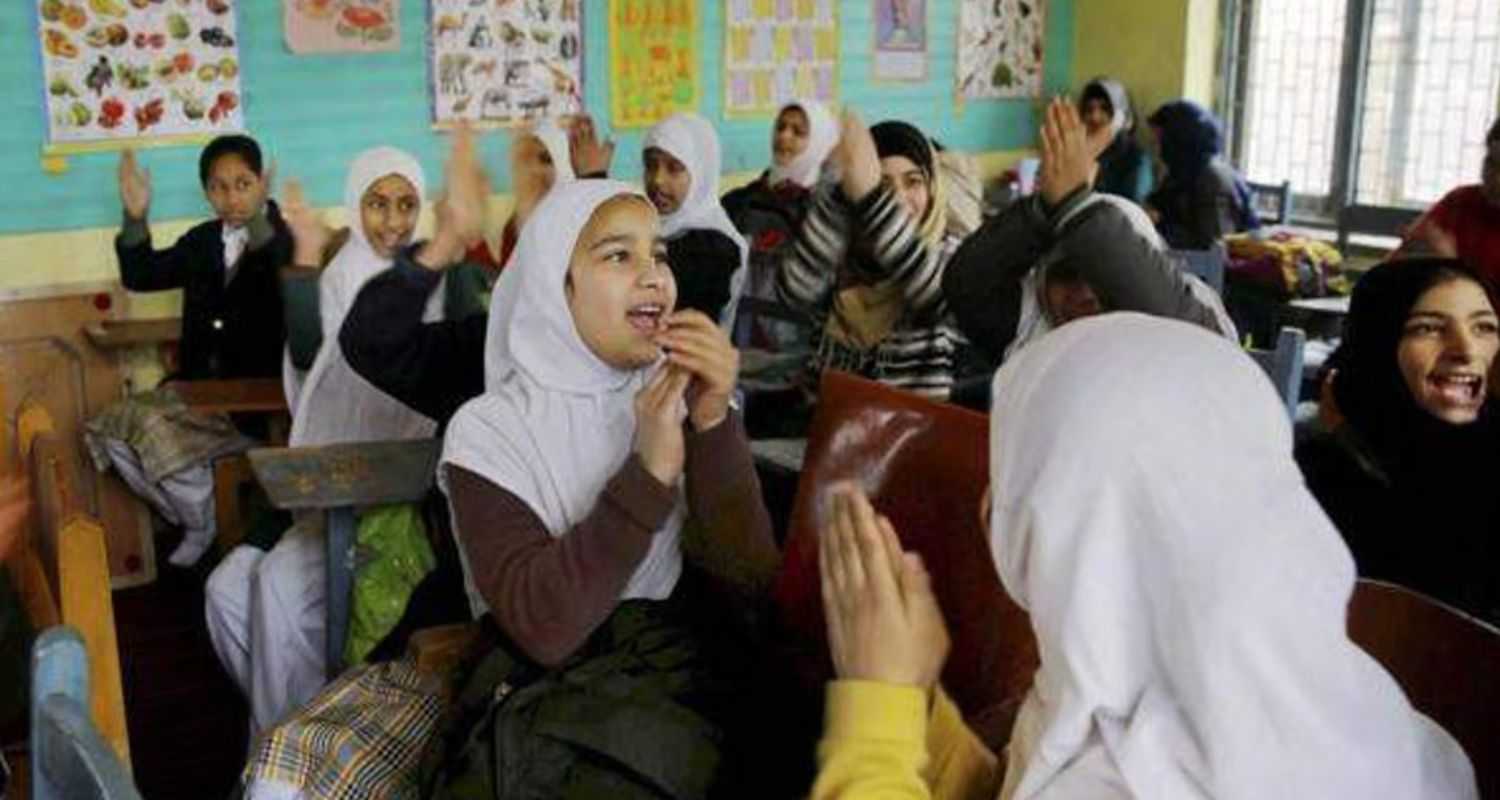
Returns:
(1288, 266)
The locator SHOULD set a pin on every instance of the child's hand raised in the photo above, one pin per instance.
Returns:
(461, 209)
(1069, 160)
(857, 158)
(310, 234)
(135, 186)
(590, 156)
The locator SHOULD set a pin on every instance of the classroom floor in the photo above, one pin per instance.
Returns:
(187, 719)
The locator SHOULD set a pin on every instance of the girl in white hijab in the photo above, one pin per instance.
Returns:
(1187, 594)
(265, 610)
(707, 253)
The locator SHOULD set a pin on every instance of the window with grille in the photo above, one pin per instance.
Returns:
(1404, 127)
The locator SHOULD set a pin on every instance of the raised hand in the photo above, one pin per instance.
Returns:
(1068, 157)
(702, 349)
(590, 156)
(135, 186)
(310, 234)
(461, 209)
(884, 624)
(659, 414)
(857, 158)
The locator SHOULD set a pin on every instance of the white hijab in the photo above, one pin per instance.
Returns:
(822, 136)
(335, 404)
(690, 139)
(1188, 594)
(555, 422)
(555, 140)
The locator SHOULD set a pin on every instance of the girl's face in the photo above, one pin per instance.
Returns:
(619, 287)
(1097, 115)
(1446, 349)
(910, 183)
(789, 137)
(388, 212)
(667, 180)
(234, 190)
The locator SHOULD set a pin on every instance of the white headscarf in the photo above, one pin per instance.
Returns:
(822, 135)
(555, 422)
(690, 139)
(1187, 592)
(555, 140)
(334, 404)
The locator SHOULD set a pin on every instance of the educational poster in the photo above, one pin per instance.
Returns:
(1000, 49)
(653, 55)
(900, 40)
(777, 51)
(119, 73)
(341, 26)
(504, 62)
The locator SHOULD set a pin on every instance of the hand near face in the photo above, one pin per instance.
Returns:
(702, 349)
(659, 413)
(884, 624)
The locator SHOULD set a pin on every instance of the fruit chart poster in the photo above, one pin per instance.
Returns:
(119, 73)
(342, 26)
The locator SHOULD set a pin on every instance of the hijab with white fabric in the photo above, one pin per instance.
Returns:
(690, 139)
(334, 403)
(1187, 592)
(555, 140)
(822, 136)
(555, 421)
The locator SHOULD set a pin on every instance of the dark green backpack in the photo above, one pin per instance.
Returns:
(609, 723)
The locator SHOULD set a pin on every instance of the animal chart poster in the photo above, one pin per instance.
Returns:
(120, 73)
(342, 26)
(1000, 49)
(777, 51)
(653, 54)
(900, 40)
(504, 62)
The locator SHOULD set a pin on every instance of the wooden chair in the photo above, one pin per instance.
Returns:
(1210, 264)
(61, 570)
(1445, 660)
(71, 760)
(925, 465)
(1272, 201)
(337, 480)
(1283, 366)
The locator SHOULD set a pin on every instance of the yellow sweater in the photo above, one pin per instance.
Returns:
(882, 741)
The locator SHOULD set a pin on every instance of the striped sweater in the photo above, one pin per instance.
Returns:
(918, 353)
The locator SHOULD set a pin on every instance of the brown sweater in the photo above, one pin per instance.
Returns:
(549, 593)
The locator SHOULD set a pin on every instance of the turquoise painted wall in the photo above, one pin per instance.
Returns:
(312, 113)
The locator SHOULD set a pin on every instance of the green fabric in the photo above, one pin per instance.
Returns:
(392, 556)
(609, 723)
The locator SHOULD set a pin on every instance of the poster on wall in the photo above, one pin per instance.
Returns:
(341, 26)
(121, 73)
(503, 63)
(900, 40)
(1000, 49)
(653, 60)
(777, 51)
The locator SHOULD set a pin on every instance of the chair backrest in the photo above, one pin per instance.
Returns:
(1445, 660)
(337, 479)
(1272, 201)
(70, 759)
(1209, 265)
(1374, 220)
(61, 569)
(925, 465)
(1283, 366)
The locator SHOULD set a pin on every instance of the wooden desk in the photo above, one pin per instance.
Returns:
(249, 395)
(115, 334)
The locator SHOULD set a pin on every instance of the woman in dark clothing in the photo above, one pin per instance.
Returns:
(1124, 166)
(1405, 476)
(227, 267)
(1202, 198)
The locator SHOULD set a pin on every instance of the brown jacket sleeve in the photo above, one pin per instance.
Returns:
(548, 594)
(729, 530)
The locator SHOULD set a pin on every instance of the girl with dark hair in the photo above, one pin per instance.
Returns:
(1124, 166)
(1201, 198)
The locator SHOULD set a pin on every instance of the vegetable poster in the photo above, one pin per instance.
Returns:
(777, 51)
(342, 26)
(120, 71)
(653, 55)
(1000, 49)
(505, 62)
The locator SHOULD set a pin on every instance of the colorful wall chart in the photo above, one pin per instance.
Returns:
(505, 62)
(1000, 48)
(777, 51)
(342, 26)
(900, 40)
(118, 73)
(653, 53)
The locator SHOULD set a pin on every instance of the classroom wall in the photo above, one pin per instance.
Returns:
(1160, 49)
(312, 113)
